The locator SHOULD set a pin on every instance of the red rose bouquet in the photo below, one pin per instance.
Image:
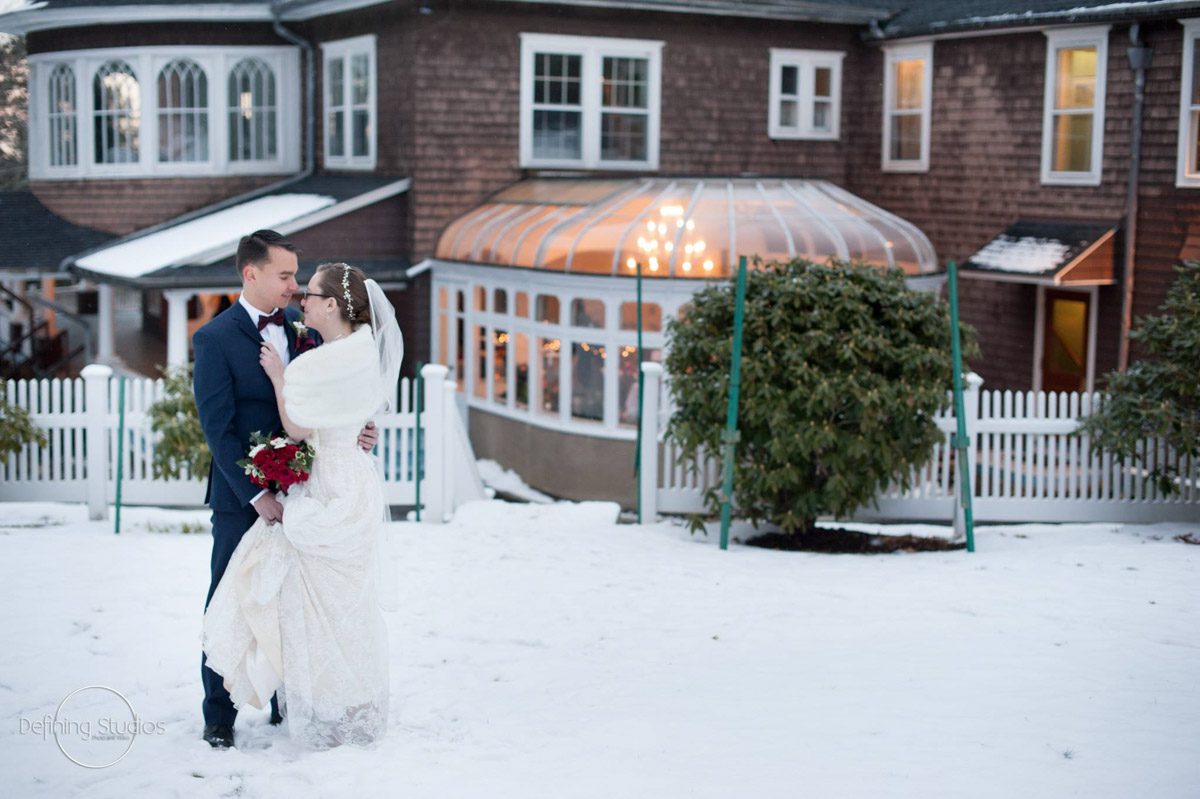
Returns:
(278, 462)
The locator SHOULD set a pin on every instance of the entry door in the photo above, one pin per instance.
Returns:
(1065, 357)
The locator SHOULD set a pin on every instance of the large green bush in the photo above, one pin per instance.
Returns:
(182, 451)
(1158, 396)
(843, 370)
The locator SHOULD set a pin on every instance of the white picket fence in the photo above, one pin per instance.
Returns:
(81, 419)
(1026, 466)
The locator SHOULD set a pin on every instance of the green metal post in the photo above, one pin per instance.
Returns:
(417, 440)
(730, 437)
(120, 448)
(637, 450)
(960, 442)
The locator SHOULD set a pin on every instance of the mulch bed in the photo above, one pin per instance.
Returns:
(837, 541)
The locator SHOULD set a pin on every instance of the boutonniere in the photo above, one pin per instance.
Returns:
(304, 341)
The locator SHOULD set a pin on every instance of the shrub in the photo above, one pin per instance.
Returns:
(1158, 396)
(843, 370)
(16, 428)
(182, 450)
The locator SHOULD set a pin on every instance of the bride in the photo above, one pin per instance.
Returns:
(298, 606)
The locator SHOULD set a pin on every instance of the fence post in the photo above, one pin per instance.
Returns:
(95, 381)
(437, 433)
(648, 441)
(971, 418)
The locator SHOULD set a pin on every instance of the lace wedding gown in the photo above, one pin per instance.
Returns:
(297, 608)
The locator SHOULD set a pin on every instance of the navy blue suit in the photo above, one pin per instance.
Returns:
(235, 398)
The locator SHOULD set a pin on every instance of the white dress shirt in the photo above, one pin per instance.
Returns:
(272, 333)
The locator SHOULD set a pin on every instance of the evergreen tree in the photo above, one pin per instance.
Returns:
(1159, 395)
(13, 108)
(843, 370)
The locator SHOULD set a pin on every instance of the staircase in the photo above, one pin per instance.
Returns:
(35, 352)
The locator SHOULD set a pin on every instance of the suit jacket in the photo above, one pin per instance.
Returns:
(235, 398)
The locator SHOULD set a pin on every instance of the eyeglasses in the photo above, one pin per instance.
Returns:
(304, 295)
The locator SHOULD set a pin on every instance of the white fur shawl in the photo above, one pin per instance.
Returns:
(336, 384)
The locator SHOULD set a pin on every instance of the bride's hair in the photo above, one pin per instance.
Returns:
(346, 284)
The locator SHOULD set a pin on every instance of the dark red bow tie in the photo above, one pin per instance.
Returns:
(274, 319)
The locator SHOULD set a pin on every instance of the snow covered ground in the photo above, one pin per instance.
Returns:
(545, 651)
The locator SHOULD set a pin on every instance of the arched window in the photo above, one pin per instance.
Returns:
(252, 112)
(182, 112)
(62, 108)
(117, 101)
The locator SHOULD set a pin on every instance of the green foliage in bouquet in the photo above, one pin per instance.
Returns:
(16, 428)
(843, 369)
(182, 450)
(1158, 396)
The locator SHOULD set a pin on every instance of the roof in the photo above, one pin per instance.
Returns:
(1052, 253)
(50, 14)
(33, 238)
(679, 227)
(852, 12)
(953, 16)
(182, 252)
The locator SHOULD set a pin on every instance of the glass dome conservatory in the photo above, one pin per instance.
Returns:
(535, 297)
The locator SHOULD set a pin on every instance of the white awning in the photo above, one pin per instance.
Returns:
(202, 240)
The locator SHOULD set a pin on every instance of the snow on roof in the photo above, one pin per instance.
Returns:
(1021, 254)
(207, 237)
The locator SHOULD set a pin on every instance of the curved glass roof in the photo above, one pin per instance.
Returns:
(679, 227)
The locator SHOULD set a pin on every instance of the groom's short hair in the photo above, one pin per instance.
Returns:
(254, 248)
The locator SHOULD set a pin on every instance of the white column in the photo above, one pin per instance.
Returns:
(970, 422)
(95, 381)
(177, 328)
(434, 489)
(106, 333)
(648, 454)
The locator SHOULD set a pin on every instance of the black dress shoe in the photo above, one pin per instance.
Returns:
(276, 718)
(219, 736)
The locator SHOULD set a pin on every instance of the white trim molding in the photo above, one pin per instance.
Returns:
(1065, 39)
(893, 56)
(1187, 170)
(45, 157)
(347, 52)
(802, 96)
(591, 52)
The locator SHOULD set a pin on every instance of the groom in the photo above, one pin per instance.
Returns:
(235, 398)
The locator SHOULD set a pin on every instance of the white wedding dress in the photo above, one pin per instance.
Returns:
(297, 609)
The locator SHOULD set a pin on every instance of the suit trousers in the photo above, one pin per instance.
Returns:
(227, 529)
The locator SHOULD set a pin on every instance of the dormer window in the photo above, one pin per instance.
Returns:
(157, 112)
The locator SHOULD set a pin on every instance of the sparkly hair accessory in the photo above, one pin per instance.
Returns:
(346, 292)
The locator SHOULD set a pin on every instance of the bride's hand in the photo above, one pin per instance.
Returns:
(271, 363)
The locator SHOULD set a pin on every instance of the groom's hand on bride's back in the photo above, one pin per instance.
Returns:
(268, 508)
(369, 437)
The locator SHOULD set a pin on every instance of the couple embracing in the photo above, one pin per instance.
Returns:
(293, 615)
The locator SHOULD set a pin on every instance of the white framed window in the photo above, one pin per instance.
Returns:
(149, 112)
(805, 94)
(253, 109)
(116, 113)
(590, 103)
(61, 112)
(350, 113)
(907, 107)
(1187, 174)
(182, 112)
(1073, 122)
